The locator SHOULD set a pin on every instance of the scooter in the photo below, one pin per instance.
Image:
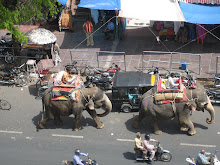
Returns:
(88, 162)
(15, 76)
(160, 154)
(213, 161)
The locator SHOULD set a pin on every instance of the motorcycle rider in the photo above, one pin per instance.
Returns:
(76, 158)
(203, 157)
(149, 147)
(139, 143)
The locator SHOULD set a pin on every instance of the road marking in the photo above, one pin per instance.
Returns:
(1, 131)
(197, 145)
(125, 140)
(70, 136)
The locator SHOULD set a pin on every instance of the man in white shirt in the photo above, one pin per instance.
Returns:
(170, 82)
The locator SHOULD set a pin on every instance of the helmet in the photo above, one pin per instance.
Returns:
(156, 70)
(77, 151)
(147, 137)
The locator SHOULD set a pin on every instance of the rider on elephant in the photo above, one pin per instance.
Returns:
(170, 84)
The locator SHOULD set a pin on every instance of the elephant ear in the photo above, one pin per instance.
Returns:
(191, 106)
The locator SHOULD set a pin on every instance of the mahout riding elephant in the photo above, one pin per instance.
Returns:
(88, 99)
(198, 100)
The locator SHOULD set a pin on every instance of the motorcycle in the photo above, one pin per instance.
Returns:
(213, 160)
(6, 51)
(110, 71)
(104, 81)
(160, 154)
(15, 76)
(217, 80)
(213, 95)
(88, 162)
(189, 81)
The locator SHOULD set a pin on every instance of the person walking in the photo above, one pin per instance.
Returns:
(56, 52)
(88, 29)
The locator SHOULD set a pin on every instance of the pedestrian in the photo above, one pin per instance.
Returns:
(201, 33)
(88, 29)
(109, 31)
(56, 52)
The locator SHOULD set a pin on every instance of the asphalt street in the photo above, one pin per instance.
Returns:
(22, 144)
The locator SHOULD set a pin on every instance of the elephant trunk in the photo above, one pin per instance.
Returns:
(107, 106)
(211, 111)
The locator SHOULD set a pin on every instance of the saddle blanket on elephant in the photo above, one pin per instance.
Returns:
(63, 93)
(182, 99)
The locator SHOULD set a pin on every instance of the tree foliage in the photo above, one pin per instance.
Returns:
(25, 12)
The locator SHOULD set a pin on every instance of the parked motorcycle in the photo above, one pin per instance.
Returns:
(104, 82)
(88, 162)
(160, 154)
(110, 71)
(213, 161)
(189, 81)
(15, 76)
(6, 51)
(213, 95)
(217, 80)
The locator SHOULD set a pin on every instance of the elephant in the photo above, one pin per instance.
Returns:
(197, 100)
(88, 99)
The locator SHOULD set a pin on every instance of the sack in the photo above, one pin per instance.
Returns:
(168, 96)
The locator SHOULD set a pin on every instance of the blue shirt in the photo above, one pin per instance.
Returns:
(203, 158)
(77, 160)
(110, 26)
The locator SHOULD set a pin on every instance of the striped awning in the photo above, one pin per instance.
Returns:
(213, 2)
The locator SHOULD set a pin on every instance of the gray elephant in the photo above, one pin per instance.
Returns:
(198, 100)
(88, 99)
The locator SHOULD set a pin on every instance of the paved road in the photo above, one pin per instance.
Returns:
(22, 145)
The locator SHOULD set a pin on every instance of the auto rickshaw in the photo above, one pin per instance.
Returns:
(128, 88)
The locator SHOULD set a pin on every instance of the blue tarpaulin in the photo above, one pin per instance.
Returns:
(63, 2)
(200, 13)
(101, 4)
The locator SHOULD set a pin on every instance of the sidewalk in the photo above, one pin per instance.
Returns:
(134, 42)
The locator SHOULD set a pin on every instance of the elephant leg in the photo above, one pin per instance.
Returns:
(190, 125)
(155, 127)
(57, 120)
(93, 114)
(77, 124)
(137, 122)
(42, 123)
(182, 125)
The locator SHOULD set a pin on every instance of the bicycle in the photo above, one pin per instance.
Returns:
(84, 71)
(5, 105)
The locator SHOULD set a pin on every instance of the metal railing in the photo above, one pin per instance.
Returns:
(94, 56)
(170, 62)
(217, 64)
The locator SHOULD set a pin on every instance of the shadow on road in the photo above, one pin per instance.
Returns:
(129, 155)
(166, 126)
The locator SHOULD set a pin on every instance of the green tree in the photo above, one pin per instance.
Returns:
(24, 12)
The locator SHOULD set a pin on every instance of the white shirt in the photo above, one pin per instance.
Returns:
(170, 83)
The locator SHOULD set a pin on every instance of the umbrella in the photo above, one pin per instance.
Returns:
(40, 36)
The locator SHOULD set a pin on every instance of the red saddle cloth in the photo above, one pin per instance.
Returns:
(161, 90)
(58, 89)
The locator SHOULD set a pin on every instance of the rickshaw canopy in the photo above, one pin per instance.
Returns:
(133, 79)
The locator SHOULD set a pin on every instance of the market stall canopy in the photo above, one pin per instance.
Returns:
(154, 10)
(100, 4)
(201, 14)
(213, 2)
(63, 2)
(40, 36)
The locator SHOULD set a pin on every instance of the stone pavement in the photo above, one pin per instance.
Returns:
(133, 43)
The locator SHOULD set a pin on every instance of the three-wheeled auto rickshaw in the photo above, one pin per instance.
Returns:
(128, 87)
